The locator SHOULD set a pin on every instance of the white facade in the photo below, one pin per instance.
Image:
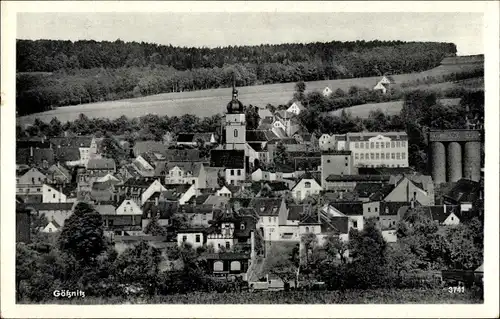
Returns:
(294, 108)
(156, 186)
(52, 195)
(380, 87)
(144, 163)
(50, 228)
(195, 239)
(128, 207)
(270, 227)
(326, 143)
(327, 91)
(235, 176)
(87, 153)
(224, 191)
(451, 220)
(379, 151)
(390, 236)
(187, 195)
(305, 188)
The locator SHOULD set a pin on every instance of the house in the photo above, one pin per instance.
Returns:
(164, 209)
(102, 191)
(296, 107)
(58, 212)
(234, 163)
(267, 211)
(289, 222)
(128, 207)
(40, 157)
(196, 237)
(336, 163)
(99, 167)
(186, 173)
(372, 191)
(276, 188)
(29, 182)
(384, 84)
(226, 264)
(62, 193)
(180, 192)
(287, 121)
(348, 182)
(109, 178)
(407, 190)
(140, 189)
(352, 210)
(231, 232)
(305, 187)
(327, 92)
(51, 227)
(224, 191)
(308, 139)
(389, 215)
(446, 215)
(141, 147)
(192, 139)
(86, 145)
(23, 224)
(465, 193)
(58, 174)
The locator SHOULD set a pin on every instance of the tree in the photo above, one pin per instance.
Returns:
(281, 154)
(82, 235)
(300, 88)
(26, 266)
(139, 266)
(280, 264)
(336, 248)
(252, 117)
(309, 242)
(154, 229)
(179, 221)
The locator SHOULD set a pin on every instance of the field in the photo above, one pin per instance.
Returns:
(213, 101)
(389, 108)
(380, 296)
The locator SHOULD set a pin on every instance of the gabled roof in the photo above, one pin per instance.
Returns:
(365, 136)
(259, 135)
(391, 208)
(276, 186)
(465, 190)
(284, 114)
(143, 182)
(67, 154)
(307, 163)
(279, 132)
(349, 208)
(74, 141)
(285, 141)
(149, 146)
(216, 201)
(105, 209)
(365, 190)
(266, 206)
(194, 137)
(336, 224)
(192, 168)
(339, 196)
(295, 212)
(358, 178)
(101, 163)
(166, 209)
(267, 120)
(67, 188)
(50, 206)
(230, 159)
(23, 155)
(382, 193)
(299, 105)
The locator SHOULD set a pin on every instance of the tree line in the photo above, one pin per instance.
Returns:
(59, 73)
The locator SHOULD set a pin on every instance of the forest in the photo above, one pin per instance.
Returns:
(54, 73)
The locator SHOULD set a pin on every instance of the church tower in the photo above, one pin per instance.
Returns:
(235, 123)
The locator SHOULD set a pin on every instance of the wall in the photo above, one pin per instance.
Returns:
(220, 241)
(405, 192)
(390, 236)
(52, 195)
(128, 207)
(289, 229)
(156, 186)
(389, 221)
(300, 192)
(336, 164)
(270, 225)
(361, 149)
(191, 239)
(371, 209)
(235, 179)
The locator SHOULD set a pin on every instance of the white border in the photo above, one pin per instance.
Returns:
(491, 36)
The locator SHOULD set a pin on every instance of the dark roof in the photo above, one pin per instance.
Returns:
(267, 120)
(284, 141)
(144, 182)
(227, 159)
(365, 190)
(385, 170)
(295, 212)
(23, 155)
(257, 147)
(333, 196)
(465, 190)
(194, 137)
(349, 208)
(391, 208)
(244, 202)
(358, 178)
(266, 206)
(181, 155)
(226, 256)
(66, 189)
(249, 221)
(67, 154)
(340, 153)
(309, 163)
(383, 192)
(32, 143)
(101, 163)
(276, 186)
(187, 166)
(165, 208)
(149, 146)
(282, 168)
(338, 224)
(259, 135)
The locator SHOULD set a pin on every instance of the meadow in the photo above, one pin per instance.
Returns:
(210, 102)
(378, 296)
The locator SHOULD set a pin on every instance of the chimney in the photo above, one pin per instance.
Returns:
(156, 201)
(31, 151)
(412, 204)
(444, 208)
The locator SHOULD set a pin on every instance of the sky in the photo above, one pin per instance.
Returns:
(254, 28)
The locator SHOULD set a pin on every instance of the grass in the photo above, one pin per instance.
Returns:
(209, 102)
(389, 108)
(379, 296)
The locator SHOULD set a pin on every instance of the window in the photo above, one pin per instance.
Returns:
(377, 156)
(367, 156)
(387, 155)
(346, 164)
(369, 209)
(382, 155)
(179, 173)
(356, 145)
(242, 226)
(372, 156)
(362, 145)
(269, 219)
(403, 155)
(393, 155)
(110, 223)
(382, 144)
(355, 224)
(235, 133)
(328, 161)
(198, 238)
(393, 144)
(377, 145)
(274, 219)
(33, 180)
(239, 172)
(232, 172)
(398, 144)
(38, 189)
(362, 156)
(403, 143)
(184, 239)
(398, 155)
(307, 229)
(53, 195)
(49, 190)
(387, 144)
(371, 145)
(376, 209)
(204, 216)
(356, 156)
(347, 158)
(307, 185)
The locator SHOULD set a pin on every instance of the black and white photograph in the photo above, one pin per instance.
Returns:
(239, 157)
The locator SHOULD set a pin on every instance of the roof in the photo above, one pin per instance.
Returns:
(229, 159)
(285, 141)
(465, 190)
(74, 141)
(391, 208)
(279, 132)
(66, 189)
(192, 167)
(105, 209)
(276, 186)
(339, 196)
(166, 209)
(67, 154)
(23, 155)
(365, 136)
(249, 221)
(382, 193)
(257, 147)
(101, 163)
(50, 206)
(295, 212)
(149, 146)
(259, 135)
(349, 208)
(437, 213)
(143, 182)
(217, 201)
(385, 170)
(267, 120)
(365, 190)
(226, 256)
(299, 105)
(284, 114)
(266, 206)
(181, 155)
(307, 163)
(358, 178)
(336, 224)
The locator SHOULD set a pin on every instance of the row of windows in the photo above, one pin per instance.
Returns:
(372, 156)
(20, 190)
(380, 144)
(238, 172)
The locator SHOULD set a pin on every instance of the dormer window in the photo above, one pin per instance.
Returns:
(242, 226)
(307, 185)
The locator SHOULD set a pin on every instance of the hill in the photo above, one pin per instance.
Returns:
(90, 71)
